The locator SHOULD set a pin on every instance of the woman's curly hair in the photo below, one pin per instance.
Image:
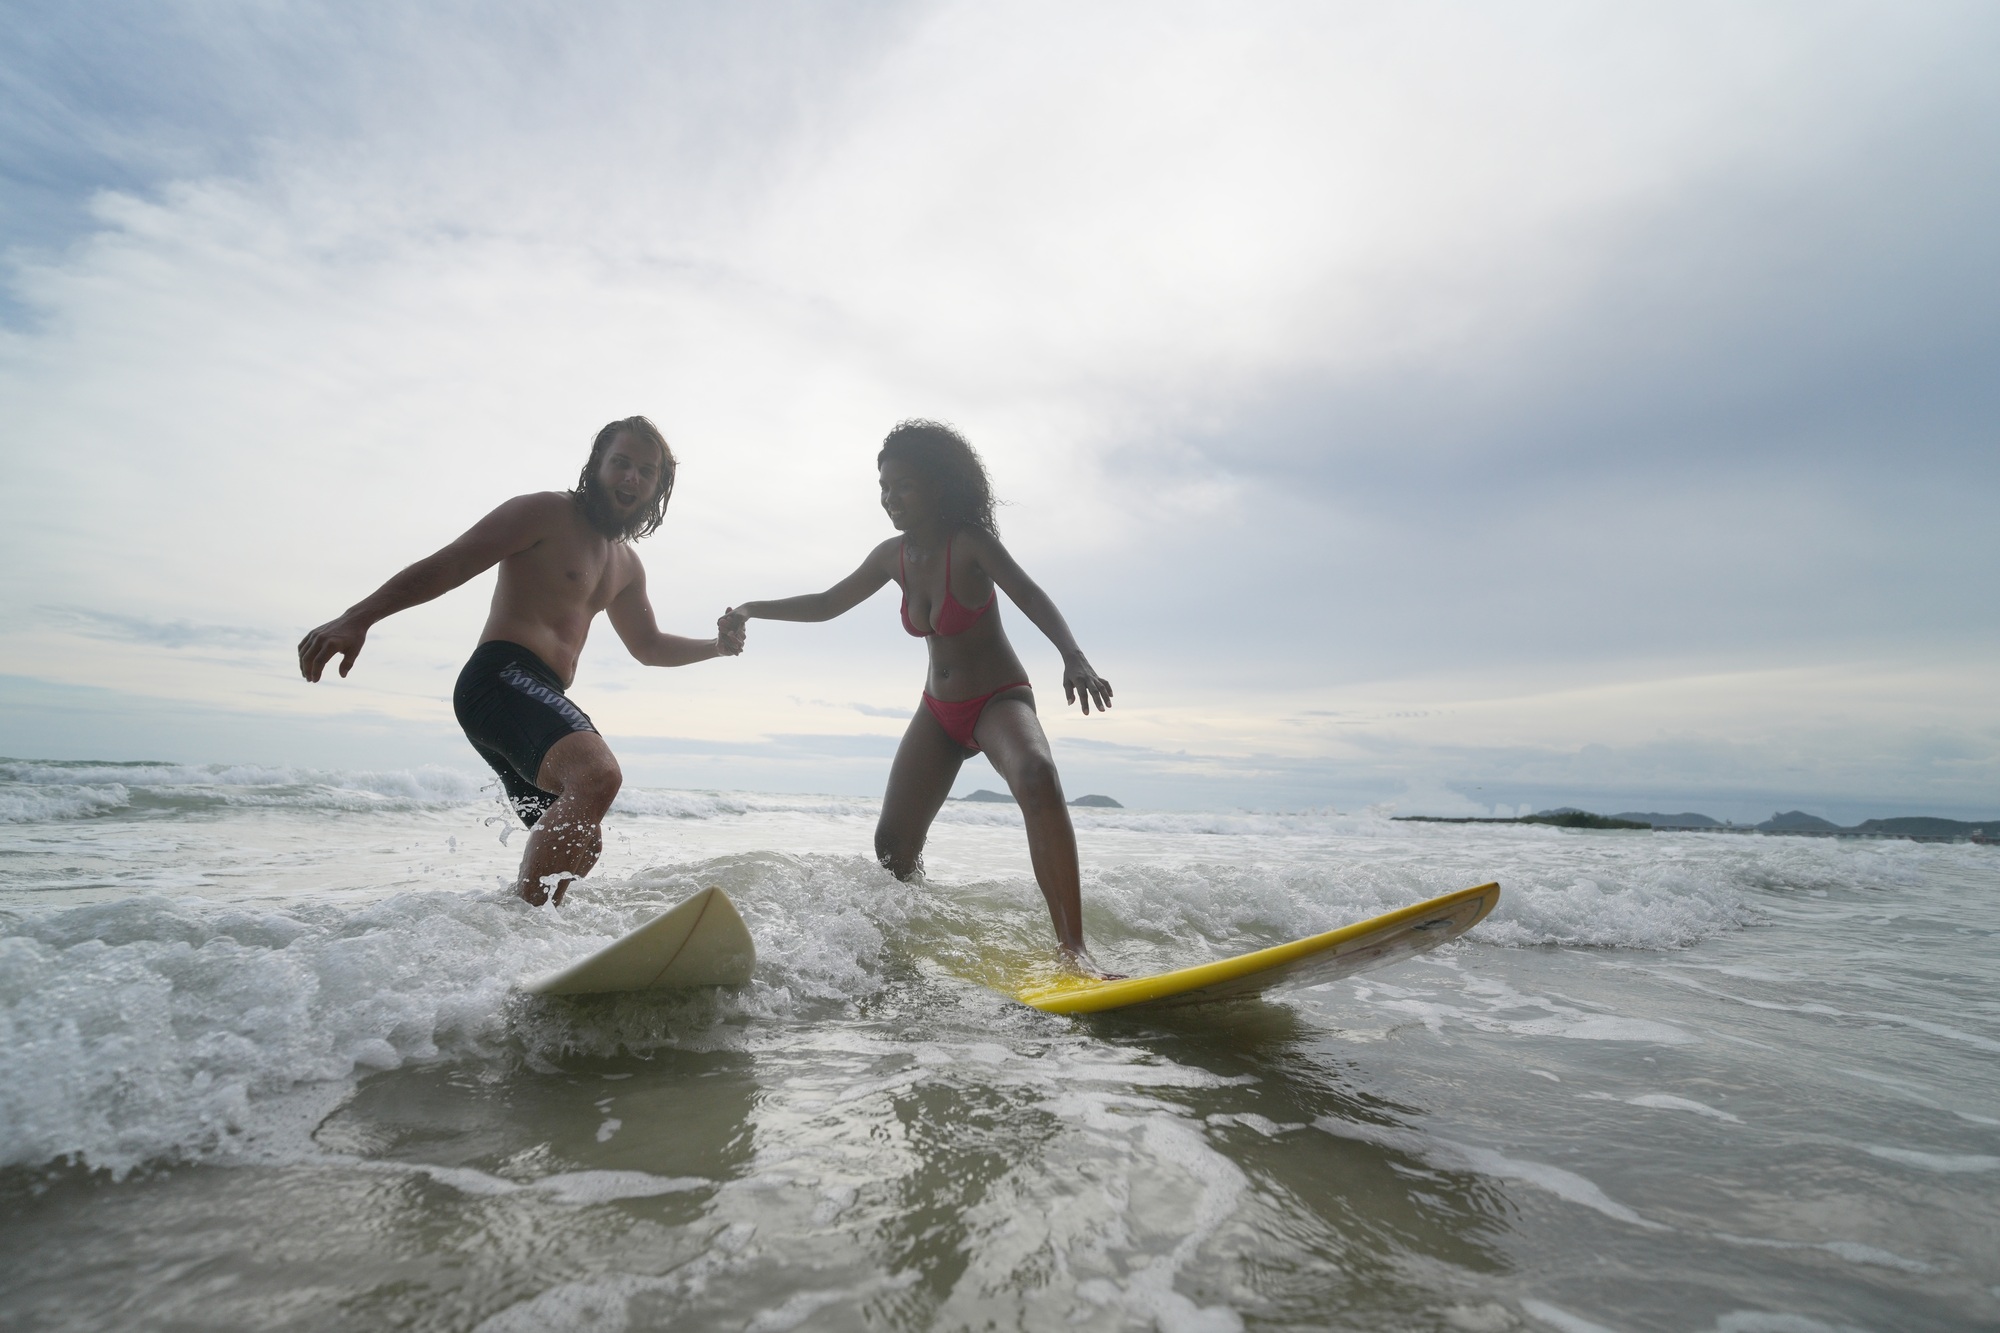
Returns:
(589, 495)
(944, 459)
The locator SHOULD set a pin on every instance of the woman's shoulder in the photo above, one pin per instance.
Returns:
(885, 552)
(977, 544)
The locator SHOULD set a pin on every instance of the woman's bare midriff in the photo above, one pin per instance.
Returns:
(979, 661)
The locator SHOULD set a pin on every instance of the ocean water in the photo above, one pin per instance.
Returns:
(262, 1065)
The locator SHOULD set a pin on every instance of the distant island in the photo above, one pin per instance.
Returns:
(1563, 818)
(1685, 820)
(1002, 798)
(1921, 828)
(1791, 823)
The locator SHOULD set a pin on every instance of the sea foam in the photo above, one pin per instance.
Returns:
(33, 791)
(155, 1026)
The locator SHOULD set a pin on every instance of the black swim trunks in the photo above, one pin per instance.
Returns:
(513, 710)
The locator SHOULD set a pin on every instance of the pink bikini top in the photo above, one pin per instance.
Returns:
(948, 617)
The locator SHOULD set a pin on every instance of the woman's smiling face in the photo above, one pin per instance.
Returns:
(907, 496)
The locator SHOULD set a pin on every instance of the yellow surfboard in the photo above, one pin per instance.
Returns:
(1379, 940)
(702, 942)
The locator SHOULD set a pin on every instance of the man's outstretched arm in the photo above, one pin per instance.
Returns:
(514, 526)
(631, 613)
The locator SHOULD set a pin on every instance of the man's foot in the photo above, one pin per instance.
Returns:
(537, 894)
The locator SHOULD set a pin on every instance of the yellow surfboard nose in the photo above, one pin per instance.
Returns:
(1376, 942)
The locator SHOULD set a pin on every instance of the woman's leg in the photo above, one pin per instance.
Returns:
(920, 779)
(1011, 735)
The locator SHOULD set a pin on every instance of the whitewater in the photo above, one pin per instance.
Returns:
(262, 1062)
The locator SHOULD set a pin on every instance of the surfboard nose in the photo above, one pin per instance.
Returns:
(1376, 942)
(700, 942)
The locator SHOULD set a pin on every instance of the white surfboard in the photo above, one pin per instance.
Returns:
(702, 942)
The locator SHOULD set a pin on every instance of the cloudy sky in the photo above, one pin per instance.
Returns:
(1464, 407)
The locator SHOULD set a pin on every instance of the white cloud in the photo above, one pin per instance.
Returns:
(1232, 300)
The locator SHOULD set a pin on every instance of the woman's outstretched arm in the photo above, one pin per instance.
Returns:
(1080, 681)
(838, 600)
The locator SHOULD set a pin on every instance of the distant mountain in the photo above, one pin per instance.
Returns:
(1570, 817)
(1925, 826)
(1797, 821)
(1002, 798)
(1686, 820)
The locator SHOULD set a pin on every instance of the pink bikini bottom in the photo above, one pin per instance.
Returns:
(958, 717)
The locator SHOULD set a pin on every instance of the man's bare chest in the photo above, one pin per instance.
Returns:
(582, 574)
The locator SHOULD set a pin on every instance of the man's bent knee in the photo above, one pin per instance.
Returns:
(606, 780)
(595, 781)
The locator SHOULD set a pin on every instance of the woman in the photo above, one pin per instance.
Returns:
(950, 562)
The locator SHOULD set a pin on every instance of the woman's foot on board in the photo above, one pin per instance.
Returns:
(1080, 962)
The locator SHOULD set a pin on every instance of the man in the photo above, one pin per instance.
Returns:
(563, 556)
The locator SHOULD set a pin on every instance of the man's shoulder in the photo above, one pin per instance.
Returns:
(536, 508)
(551, 501)
(518, 525)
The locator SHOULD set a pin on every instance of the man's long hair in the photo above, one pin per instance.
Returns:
(589, 495)
(951, 465)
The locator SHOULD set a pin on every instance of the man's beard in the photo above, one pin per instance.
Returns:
(597, 511)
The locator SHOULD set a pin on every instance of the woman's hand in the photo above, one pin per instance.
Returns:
(1080, 682)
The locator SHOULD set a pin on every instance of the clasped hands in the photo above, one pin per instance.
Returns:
(729, 633)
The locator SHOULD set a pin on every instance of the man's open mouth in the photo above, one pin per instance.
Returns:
(625, 497)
